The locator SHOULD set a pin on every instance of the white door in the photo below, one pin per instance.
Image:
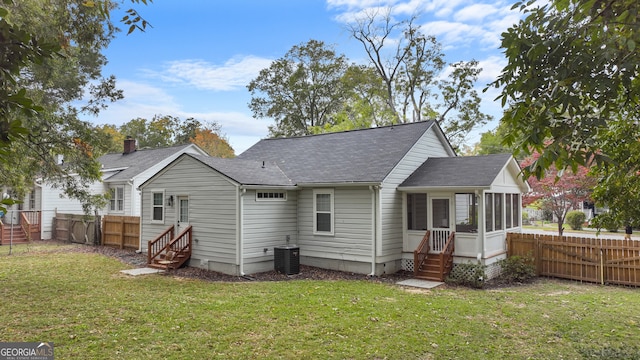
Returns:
(183, 213)
(440, 220)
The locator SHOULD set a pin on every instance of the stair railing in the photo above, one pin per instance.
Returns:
(158, 245)
(446, 256)
(182, 246)
(421, 252)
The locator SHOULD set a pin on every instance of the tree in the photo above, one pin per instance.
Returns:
(301, 90)
(491, 142)
(215, 145)
(50, 54)
(560, 191)
(410, 72)
(572, 91)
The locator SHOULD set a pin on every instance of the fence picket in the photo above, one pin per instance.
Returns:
(608, 261)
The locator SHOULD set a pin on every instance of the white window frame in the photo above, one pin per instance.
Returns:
(116, 204)
(154, 206)
(329, 192)
(271, 195)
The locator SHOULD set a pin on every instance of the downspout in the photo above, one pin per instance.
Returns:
(140, 230)
(241, 192)
(372, 189)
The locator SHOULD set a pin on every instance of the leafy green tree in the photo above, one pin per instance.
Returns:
(491, 142)
(573, 71)
(571, 88)
(300, 90)
(410, 65)
(50, 54)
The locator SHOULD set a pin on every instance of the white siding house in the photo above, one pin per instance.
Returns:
(122, 174)
(357, 201)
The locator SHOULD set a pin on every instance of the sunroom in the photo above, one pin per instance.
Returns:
(460, 207)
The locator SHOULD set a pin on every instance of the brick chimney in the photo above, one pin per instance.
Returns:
(129, 145)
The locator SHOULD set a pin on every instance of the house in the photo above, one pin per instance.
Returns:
(122, 173)
(361, 201)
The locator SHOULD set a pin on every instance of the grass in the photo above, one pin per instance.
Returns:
(82, 303)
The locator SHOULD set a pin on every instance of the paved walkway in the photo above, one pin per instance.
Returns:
(424, 284)
(141, 271)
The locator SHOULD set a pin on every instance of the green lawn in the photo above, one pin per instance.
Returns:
(89, 310)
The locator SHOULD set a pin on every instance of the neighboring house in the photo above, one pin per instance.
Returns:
(122, 174)
(358, 201)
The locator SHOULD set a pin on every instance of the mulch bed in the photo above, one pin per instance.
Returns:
(306, 272)
(134, 259)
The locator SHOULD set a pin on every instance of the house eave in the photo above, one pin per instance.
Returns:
(263, 187)
(338, 184)
(442, 188)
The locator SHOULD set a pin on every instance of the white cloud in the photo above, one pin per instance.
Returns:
(475, 12)
(236, 73)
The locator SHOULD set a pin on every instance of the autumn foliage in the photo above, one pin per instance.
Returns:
(560, 191)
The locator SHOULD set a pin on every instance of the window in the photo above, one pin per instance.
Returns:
(493, 207)
(416, 211)
(497, 211)
(323, 211)
(515, 198)
(157, 206)
(116, 203)
(32, 200)
(507, 211)
(271, 196)
(466, 213)
(488, 211)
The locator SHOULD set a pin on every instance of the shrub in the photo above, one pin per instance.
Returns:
(575, 219)
(469, 274)
(517, 269)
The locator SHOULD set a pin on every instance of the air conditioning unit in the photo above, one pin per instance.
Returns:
(287, 259)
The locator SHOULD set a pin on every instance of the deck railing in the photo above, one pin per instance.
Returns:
(421, 252)
(439, 240)
(30, 222)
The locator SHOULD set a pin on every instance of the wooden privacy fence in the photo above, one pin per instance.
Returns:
(605, 261)
(76, 228)
(121, 231)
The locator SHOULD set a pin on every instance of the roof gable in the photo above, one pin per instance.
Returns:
(366, 155)
(462, 171)
(132, 164)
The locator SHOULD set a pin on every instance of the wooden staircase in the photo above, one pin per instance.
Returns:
(168, 253)
(436, 266)
(13, 234)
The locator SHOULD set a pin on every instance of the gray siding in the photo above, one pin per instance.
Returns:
(352, 237)
(391, 199)
(267, 224)
(212, 209)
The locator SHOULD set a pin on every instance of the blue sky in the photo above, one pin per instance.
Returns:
(200, 54)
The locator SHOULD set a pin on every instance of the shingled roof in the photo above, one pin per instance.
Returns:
(246, 172)
(358, 156)
(462, 171)
(136, 162)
